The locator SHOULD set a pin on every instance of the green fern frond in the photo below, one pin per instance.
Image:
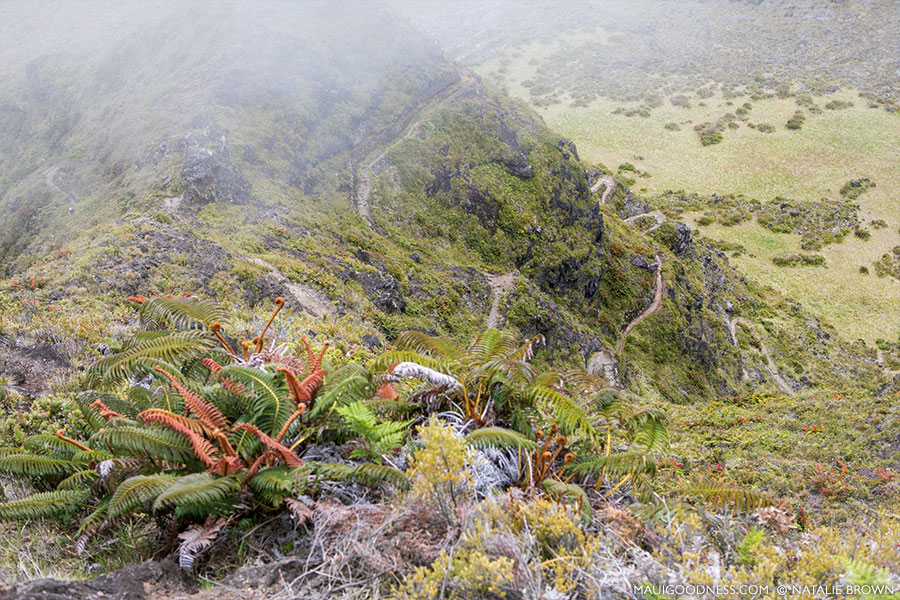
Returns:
(179, 312)
(347, 384)
(621, 464)
(136, 492)
(269, 396)
(92, 421)
(491, 344)
(437, 346)
(367, 473)
(273, 484)
(725, 496)
(139, 358)
(498, 437)
(389, 358)
(43, 505)
(78, 480)
(34, 465)
(572, 492)
(155, 442)
(571, 417)
(358, 417)
(49, 445)
(653, 436)
(197, 491)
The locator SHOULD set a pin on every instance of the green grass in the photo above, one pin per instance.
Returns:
(860, 306)
(814, 162)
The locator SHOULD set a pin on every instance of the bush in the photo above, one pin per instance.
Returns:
(681, 101)
(796, 122)
(671, 127)
(765, 127)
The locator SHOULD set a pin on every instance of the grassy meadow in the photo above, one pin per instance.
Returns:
(831, 148)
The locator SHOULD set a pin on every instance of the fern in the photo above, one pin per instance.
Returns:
(44, 505)
(136, 492)
(179, 312)
(622, 464)
(725, 496)
(380, 438)
(383, 362)
(571, 417)
(268, 396)
(197, 492)
(421, 343)
(273, 484)
(35, 465)
(154, 442)
(347, 384)
(140, 358)
(49, 445)
(78, 480)
(367, 473)
(558, 489)
(498, 437)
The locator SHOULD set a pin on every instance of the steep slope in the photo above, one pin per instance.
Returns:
(377, 189)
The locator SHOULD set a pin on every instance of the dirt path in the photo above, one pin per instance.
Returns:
(656, 215)
(500, 284)
(50, 180)
(654, 306)
(310, 300)
(610, 184)
(773, 370)
(364, 183)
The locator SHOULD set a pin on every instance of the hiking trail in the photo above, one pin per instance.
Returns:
(654, 306)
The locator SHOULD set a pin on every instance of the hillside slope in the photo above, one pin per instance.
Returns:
(236, 174)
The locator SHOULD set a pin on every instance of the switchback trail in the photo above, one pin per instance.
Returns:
(658, 216)
(610, 184)
(50, 180)
(773, 370)
(310, 300)
(500, 284)
(364, 185)
(654, 306)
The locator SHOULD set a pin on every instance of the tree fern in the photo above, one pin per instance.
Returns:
(436, 346)
(49, 445)
(44, 505)
(571, 417)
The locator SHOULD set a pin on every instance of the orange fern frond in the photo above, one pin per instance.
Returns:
(105, 411)
(212, 365)
(203, 448)
(137, 299)
(215, 327)
(164, 417)
(80, 446)
(261, 339)
(304, 391)
(227, 465)
(297, 413)
(232, 386)
(287, 455)
(207, 413)
(257, 464)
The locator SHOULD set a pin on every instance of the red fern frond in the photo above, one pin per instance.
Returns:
(212, 365)
(207, 413)
(105, 411)
(80, 446)
(227, 465)
(232, 386)
(164, 417)
(137, 299)
(287, 424)
(203, 448)
(261, 339)
(287, 455)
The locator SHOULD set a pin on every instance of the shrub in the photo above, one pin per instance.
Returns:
(765, 127)
(796, 121)
(671, 127)
(439, 471)
(681, 101)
